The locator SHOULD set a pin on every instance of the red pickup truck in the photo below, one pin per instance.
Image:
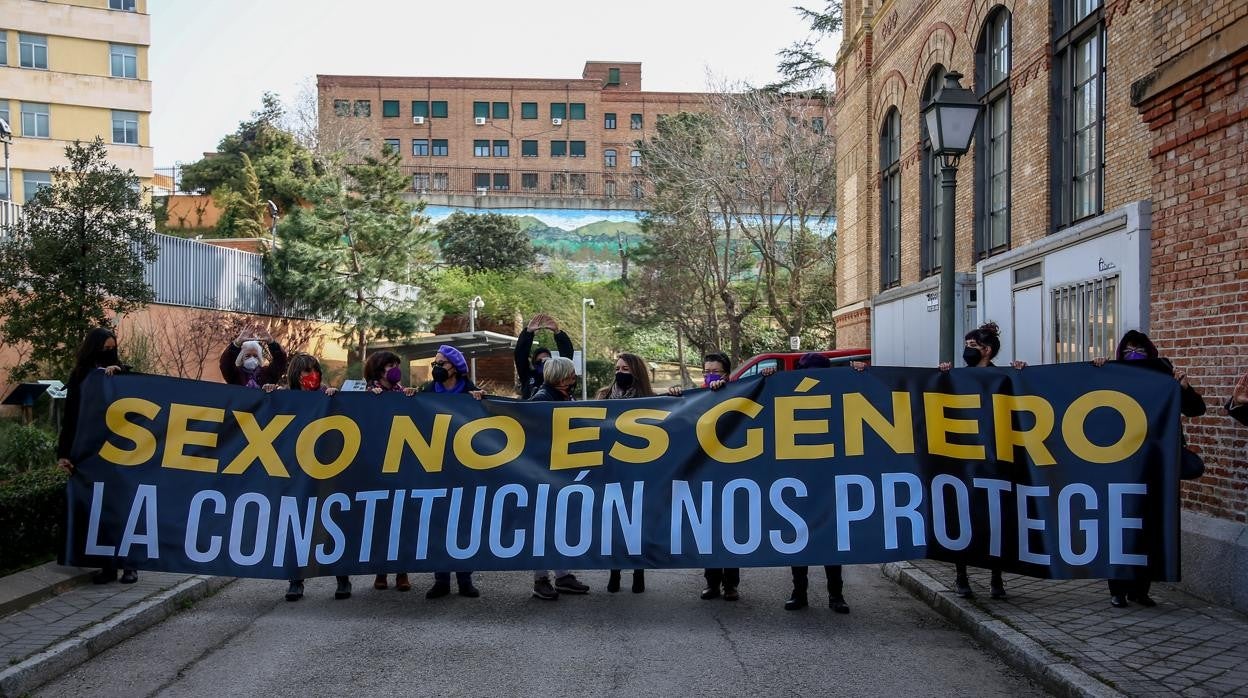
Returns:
(787, 361)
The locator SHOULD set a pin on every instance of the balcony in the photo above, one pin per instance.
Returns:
(10, 213)
(485, 180)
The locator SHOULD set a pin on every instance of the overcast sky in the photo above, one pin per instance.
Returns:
(211, 61)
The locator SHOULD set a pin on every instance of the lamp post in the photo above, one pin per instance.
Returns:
(473, 306)
(6, 137)
(586, 303)
(951, 118)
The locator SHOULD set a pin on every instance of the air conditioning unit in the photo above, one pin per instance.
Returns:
(418, 120)
(480, 120)
(482, 191)
(556, 122)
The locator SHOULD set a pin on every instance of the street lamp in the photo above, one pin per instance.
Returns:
(951, 118)
(585, 304)
(473, 306)
(6, 137)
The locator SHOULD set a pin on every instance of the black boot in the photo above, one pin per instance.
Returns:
(294, 592)
(797, 600)
(613, 582)
(344, 588)
(838, 605)
(639, 581)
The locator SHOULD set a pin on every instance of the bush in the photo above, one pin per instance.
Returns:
(32, 515)
(24, 447)
(599, 373)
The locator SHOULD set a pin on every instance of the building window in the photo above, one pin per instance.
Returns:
(480, 149)
(890, 200)
(4, 52)
(634, 158)
(389, 108)
(608, 157)
(528, 181)
(613, 76)
(502, 149)
(502, 181)
(481, 181)
(576, 182)
(420, 182)
(576, 111)
(420, 147)
(33, 51)
(36, 122)
(992, 142)
(480, 110)
(931, 203)
(816, 124)
(392, 145)
(608, 188)
(558, 149)
(420, 109)
(438, 110)
(528, 110)
(123, 60)
(342, 107)
(126, 127)
(441, 181)
(576, 149)
(363, 107)
(440, 148)
(634, 122)
(528, 149)
(1078, 100)
(1085, 320)
(558, 110)
(608, 121)
(558, 182)
(636, 189)
(32, 182)
(501, 110)
(123, 5)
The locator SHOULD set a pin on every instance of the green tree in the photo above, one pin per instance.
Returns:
(242, 212)
(485, 241)
(802, 63)
(75, 260)
(282, 166)
(355, 257)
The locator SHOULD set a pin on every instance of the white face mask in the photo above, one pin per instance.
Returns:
(251, 363)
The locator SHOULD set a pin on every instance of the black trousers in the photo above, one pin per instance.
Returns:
(1129, 587)
(728, 577)
(996, 573)
(836, 583)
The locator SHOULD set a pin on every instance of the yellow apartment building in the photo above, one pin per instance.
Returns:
(73, 69)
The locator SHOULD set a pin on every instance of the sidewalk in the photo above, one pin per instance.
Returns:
(1067, 636)
(45, 639)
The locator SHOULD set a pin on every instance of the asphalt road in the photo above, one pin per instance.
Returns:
(248, 641)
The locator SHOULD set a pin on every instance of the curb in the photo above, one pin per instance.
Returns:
(21, 590)
(44, 666)
(1018, 650)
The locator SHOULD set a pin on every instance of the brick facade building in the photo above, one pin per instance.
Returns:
(1103, 192)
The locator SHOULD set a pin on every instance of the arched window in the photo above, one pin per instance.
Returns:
(931, 203)
(636, 189)
(890, 200)
(608, 157)
(992, 141)
(634, 158)
(608, 188)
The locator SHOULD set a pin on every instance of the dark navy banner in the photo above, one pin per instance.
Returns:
(1052, 471)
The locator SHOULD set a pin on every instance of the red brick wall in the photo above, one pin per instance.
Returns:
(1200, 262)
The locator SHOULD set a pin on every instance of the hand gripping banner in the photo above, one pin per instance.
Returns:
(1052, 471)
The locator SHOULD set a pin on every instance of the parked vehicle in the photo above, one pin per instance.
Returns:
(786, 361)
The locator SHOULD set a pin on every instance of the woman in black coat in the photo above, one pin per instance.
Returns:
(253, 363)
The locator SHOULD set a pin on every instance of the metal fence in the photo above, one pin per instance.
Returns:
(199, 275)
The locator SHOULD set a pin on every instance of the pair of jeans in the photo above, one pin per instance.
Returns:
(463, 579)
(836, 583)
(729, 577)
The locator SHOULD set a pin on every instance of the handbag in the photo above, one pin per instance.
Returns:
(1191, 465)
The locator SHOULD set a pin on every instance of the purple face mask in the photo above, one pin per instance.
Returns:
(394, 375)
(1134, 355)
(709, 378)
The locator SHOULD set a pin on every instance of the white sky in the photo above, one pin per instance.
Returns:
(211, 61)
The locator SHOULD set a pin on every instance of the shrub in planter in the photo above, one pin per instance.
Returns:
(32, 514)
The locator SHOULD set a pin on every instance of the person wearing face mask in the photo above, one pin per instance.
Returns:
(253, 363)
(529, 368)
(383, 375)
(632, 379)
(716, 368)
(980, 347)
(1136, 349)
(303, 372)
(558, 385)
(98, 352)
(450, 377)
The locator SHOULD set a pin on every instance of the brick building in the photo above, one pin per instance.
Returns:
(1099, 196)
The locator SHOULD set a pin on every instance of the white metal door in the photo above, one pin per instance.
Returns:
(1027, 340)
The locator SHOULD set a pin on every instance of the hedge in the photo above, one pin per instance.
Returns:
(32, 515)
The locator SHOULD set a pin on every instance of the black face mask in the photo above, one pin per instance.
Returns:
(107, 357)
(440, 374)
(972, 356)
(623, 380)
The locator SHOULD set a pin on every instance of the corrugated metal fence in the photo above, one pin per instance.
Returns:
(199, 275)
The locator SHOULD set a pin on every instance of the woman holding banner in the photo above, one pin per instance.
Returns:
(383, 374)
(253, 362)
(98, 351)
(632, 379)
(450, 377)
(304, 373)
